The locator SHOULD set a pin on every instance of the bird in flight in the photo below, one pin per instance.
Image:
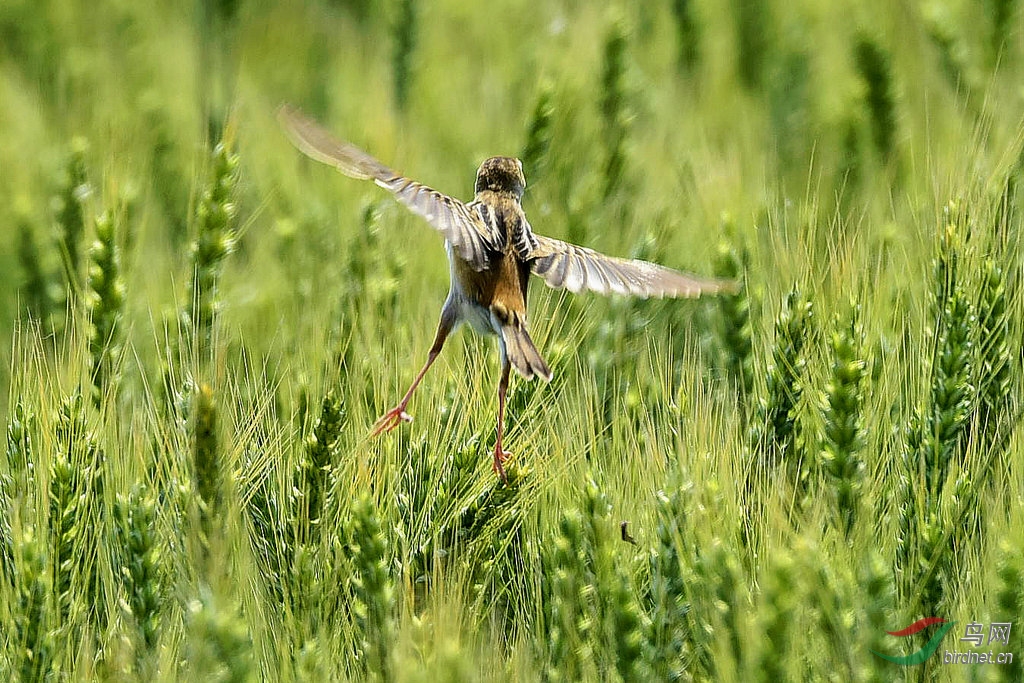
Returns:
(492, 251)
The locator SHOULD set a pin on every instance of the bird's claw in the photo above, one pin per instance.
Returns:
(500, 456)
(390, 420)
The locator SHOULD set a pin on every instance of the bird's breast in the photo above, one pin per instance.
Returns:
(479, 318)
(471, 293)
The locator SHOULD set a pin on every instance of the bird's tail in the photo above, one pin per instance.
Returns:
(522, 352)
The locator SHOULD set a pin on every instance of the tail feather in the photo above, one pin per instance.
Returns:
(523, 354)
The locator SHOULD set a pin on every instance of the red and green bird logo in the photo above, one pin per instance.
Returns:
(929, 648)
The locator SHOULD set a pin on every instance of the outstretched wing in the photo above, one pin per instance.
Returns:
(564, 265)
(473, 239)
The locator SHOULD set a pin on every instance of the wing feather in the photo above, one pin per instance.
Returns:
(315, 142)
(472, 239)
(598, 278)
(575, 275)
(575, 268)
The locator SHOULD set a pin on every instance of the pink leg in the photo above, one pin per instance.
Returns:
(500, 454)
(397, 415)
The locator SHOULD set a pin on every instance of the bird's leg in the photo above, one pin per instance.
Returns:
(397, 415)
(500, 454)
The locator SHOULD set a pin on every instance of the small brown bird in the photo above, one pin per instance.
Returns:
(492, 251)
(624, 529)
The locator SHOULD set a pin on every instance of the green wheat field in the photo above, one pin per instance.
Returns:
(198, 327)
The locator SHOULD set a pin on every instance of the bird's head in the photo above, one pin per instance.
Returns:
(503, 175)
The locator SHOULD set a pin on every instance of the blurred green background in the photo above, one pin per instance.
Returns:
(828, 455)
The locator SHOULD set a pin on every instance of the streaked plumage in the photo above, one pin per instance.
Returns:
(492, 251)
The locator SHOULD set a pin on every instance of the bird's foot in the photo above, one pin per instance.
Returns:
(500, 456)
(390, 420)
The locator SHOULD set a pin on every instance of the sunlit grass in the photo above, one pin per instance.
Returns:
(831, 165)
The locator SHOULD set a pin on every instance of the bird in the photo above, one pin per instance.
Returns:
(492, 252)
(624, 531)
